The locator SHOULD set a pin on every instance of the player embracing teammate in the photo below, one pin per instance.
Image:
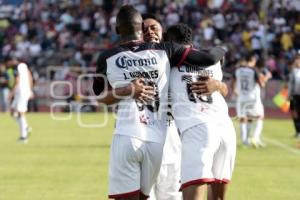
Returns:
(201, 114)
(138, 75)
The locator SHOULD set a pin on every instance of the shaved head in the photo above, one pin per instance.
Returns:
(129, 21)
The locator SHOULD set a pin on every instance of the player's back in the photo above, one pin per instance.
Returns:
(246, 84)
(190, 109)
(152, 62)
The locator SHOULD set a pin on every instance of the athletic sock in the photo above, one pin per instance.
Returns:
(258, 129)
(244, 134)
(19, 124)
(249, 126)
(23, 127)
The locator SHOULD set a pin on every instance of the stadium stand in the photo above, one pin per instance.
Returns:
(73, 33)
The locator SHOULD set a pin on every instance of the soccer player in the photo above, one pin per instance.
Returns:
(294, 93)
(264, 76)
(137, 146)
(201, 114)
(4, 89)
(20, 95)
(167, 184)
(249, 107)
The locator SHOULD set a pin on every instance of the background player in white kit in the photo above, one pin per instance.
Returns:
(207, 132)
(264, 75)
(20, 95)
(167, 184)
(139, 135)
(247, 83)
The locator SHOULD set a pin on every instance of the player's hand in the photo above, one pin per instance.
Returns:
(142, 92)
(205, 87)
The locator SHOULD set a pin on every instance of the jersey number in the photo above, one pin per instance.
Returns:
(245, 84)
(193, 97)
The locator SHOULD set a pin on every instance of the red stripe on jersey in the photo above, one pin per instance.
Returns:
(124, 195)
(197, 182)
(186, 51)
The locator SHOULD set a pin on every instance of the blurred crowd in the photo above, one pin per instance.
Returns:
(73, 32)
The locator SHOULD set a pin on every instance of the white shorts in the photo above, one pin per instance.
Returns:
(134, 166)
(208, 153)
(20, 104)
(167, 184)
(249, 109)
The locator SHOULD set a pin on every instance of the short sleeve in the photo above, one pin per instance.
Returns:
(176, 52)
(179, 54)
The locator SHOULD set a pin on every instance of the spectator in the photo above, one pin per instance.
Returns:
(40, 31)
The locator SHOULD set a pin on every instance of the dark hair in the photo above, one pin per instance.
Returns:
(128, 19)
(260, 63)
(250, 56)
(150, 16)
(179, 33)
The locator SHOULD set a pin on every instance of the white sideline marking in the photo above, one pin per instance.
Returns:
(283, 146)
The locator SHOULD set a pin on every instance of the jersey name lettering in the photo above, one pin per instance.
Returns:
(125, 62)
(137, 74)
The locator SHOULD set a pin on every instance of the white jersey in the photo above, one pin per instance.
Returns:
(188, 109)
(246, 84)
(23, 89)
(152, 61)
(142, 120)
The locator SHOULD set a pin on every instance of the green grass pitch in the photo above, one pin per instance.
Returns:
(65, 161)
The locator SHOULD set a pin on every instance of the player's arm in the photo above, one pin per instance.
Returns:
(203, 58)
(136, 89)
(209, 86)
(109, 95)
(262, 81)
(223, 89)
(265, 75)
(102, 89)
(198, 57)
(259, 79)
(179, 54)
